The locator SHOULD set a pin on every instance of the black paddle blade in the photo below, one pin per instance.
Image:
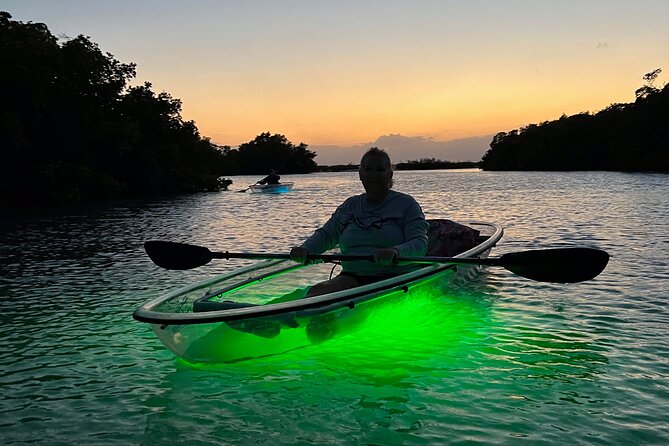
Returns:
(560, 265)
(172, 255)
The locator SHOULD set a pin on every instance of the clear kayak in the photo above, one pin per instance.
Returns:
(260, 310)
(271, 188)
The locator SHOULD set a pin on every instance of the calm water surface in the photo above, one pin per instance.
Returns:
(503, 360)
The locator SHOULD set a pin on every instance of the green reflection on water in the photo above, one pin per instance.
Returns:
(431, 334)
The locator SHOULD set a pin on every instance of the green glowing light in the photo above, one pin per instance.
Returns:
(390, 333)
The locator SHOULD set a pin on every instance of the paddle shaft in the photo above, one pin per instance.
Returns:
(350, 258)
(560, 265)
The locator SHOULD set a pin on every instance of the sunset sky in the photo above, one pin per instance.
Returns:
(346, 72)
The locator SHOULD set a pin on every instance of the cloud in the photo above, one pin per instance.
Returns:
(405, 148)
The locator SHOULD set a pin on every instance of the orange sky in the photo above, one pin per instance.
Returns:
(347, 72)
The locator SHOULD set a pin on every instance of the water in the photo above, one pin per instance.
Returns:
(502, 361)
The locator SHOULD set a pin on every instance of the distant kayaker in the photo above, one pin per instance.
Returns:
(272, 178)
(381, 222)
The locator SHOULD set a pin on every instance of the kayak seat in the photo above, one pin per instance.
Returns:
(266, 327)
(200, 306)
(259, 327)
(446, 238)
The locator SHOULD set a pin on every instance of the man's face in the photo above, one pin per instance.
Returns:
(375, 174)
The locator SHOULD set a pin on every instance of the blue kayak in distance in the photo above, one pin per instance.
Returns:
(280, 188)
(260, 309)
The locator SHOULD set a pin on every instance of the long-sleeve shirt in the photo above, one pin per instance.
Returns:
(360, 228)
(272, 178)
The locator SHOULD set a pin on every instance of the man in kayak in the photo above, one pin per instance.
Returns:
(381, 222)
(272, 178)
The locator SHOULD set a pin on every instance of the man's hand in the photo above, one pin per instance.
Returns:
(299, 254)
(386, 256)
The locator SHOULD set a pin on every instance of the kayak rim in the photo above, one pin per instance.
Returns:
(325, 302)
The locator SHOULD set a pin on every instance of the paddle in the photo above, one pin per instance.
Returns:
(244, 190)
(559, 265)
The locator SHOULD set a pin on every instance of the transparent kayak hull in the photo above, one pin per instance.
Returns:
(271, 188)
(197, 324)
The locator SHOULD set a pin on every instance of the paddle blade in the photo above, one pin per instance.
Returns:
(172, 255)
(560, 265)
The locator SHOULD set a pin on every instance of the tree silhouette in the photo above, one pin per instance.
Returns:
(649, 88)
(624, 137)
(268, 151)
(72, 130)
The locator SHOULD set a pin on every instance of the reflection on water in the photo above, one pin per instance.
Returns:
(499, 360)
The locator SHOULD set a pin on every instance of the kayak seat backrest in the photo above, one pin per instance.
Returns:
(205, 305)
(446, 238)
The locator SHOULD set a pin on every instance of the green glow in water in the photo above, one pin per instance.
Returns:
(395, 331)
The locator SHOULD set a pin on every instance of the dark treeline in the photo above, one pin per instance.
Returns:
(630, 137)
(431, 164)
(73, 130)
(269, 152)
(350, 167)
(422, 164)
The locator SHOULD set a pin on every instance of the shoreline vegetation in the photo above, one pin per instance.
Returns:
(73, 130)
(421, 164)
(631, 137)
